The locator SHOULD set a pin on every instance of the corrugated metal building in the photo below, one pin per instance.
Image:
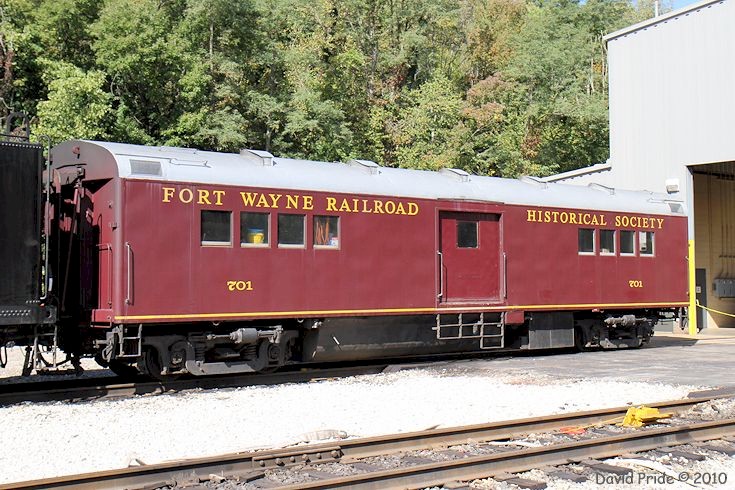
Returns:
(672, 129)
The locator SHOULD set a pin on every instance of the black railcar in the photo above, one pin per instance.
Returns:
(21, 295)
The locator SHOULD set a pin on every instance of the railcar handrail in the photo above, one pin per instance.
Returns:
(129, 291)
(441, 275)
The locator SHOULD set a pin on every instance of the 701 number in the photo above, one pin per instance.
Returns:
(239, 285)
(635, 284)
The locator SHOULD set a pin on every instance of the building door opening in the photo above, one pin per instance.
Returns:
(714, 243)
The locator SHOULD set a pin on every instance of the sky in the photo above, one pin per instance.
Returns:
(677, 4)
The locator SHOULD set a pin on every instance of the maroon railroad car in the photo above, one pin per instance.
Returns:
(175, 260)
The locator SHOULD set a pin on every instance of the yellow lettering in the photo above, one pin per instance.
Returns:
(564, 217)
(378, 206)
(331, 201)
(262, 202)
(660, 222)
(168, 193)
(573, 218)
(413, 209)
(617, 221)
(308, 202)
(595, 222)
(203, 197)
(645, 222)
(603, 221)
(218, 195)
(586, 219)
(188, 193)
(344, 206)
(392, 209)
(530, 215)
(274, 199)
(292, 202)
(400, 209)
(248, 198)
(555, 214)
(547, 216)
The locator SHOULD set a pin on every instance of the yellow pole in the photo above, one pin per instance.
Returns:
(692, 291)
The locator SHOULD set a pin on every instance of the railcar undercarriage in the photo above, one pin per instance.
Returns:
(163, 351)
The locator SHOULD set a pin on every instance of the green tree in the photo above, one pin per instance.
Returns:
(424, 132)
(77, 104)
(497, 87)
(553, 90)
(62, 28)
(135, 47)
(21, 86)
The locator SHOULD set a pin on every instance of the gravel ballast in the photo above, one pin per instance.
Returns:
(52, 439)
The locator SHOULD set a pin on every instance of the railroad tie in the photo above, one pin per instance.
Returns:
(728, 450)
(319, 475)
(567, 475)
(679, 453)
(456, 485)
(266, 483)
(417, 460)
(605, 468)
(365, 467)
(520, 482)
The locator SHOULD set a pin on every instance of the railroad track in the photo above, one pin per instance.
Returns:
(114, 387)
(251, 466)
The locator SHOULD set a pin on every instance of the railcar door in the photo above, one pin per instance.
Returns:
(469, 257)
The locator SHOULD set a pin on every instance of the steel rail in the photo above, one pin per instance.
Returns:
(472, 468)
(255, 463)
(96, 388)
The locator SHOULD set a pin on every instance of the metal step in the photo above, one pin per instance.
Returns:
(130, 341)
(463, 326)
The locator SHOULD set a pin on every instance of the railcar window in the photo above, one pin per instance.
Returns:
(607, 242)
(627, 242)
(645, 242)
(467, 234)
(586, 241)
(216, 228)
(291, 231)
(254, 229)
(326, 231)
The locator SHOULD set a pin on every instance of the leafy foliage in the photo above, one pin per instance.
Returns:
(77, 104)
(496, 87)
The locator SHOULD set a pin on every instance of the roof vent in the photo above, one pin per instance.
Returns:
(455, 173)
(179, 149)
(366, 165)
(261, 157)
(145, 167)
(601, 188)
(676, 207)
(528, 179)
(188, 163)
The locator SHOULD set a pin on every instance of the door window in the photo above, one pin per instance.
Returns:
(467, 234)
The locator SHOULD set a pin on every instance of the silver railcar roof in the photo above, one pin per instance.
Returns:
(252, 168)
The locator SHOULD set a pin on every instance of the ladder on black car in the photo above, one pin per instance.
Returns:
(45, 341)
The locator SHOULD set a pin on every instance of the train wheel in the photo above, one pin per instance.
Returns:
(580, 340)
(150, 365)
(122, 369)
